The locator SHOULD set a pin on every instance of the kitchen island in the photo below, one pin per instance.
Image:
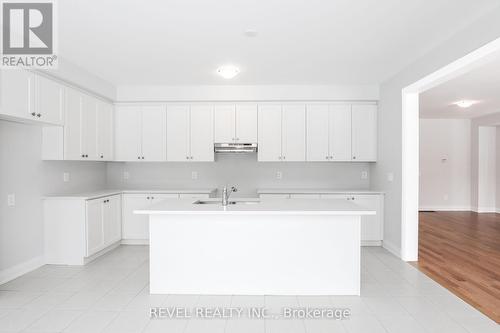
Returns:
(255, 247)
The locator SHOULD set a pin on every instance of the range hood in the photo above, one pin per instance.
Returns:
(235, 148)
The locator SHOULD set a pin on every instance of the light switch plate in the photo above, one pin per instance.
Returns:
(364, 174)
(194, 175)
(66, 177)
(11, 200)
(390, 177)
(126, 175)
(279, 175)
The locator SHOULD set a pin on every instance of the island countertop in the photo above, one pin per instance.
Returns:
(257, 206)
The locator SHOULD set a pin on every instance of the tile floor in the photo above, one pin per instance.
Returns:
(111, 295)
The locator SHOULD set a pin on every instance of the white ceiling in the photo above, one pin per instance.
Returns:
(177, 42)
(482, 84)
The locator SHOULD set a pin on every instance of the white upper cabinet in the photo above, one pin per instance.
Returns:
(18, 94)
(340, 132)
(282, 133)
(73, 127)
(105, 130)
(364, 133)
(140, 133)
(49, 101)
(178, 133)
(225, 123)
(89, 127)
(293, 133)
(246, 123)
(202, 133)
(190, 133)
(236, 123)
(269, 133)
(318, 133)
(154, 135)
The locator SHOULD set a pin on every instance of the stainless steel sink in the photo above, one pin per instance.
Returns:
(218, 202)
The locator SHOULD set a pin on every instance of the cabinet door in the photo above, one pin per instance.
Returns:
(135, 227)
(154, 133)
(18, 94)
(269, 136)
(294, 133)
(89, 128)
(202, 133)
(364, 133)
(128, 133)
(225, 121)
(371, 225)
(246, 123)
(73, 148)
(50, 99)
(317, 133)
(178, 133)
(112, 223)
(158, 197)
(104, 131)
(94, 226)
(340, 132)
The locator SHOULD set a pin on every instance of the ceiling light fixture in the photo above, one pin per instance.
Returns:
(228, 72)
(465, 103)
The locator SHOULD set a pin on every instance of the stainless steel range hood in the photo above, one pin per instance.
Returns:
(235, 148)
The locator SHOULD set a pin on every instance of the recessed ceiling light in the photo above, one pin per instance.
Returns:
(465, 103)
(228, 72)
(250, 32)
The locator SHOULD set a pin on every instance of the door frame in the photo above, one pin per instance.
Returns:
(410, 139)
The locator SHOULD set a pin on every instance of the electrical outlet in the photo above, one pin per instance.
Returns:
(364, 175)
(194, 175)
(390, 177)
(11, 200)
(126, 175)
(279, 175)
(66, 177)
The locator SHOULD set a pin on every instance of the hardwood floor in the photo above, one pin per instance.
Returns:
(461, 251)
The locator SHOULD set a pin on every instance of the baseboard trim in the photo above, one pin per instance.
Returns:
(392, 248)
(446, 209)
(100, 253)
(486, 210)
(16, 271)
(371, 243)
(135, 241)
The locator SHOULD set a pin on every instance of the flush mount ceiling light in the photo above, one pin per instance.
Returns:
(228, 72)
(250, 32)
(465, 103)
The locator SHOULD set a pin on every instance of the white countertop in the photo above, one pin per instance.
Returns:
(267, 206)
(105, 193)
(313, 191)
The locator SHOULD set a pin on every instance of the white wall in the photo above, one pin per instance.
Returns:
(486, 178)
(498, 170)
(242, 171)
(484, 30)
(445, 164)
(247, 93)
(23, 173)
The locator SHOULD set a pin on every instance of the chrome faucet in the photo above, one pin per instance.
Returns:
(226, 194)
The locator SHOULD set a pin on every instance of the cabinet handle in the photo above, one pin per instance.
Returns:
(283, 157)
(191, 157)
(33, 114)
(138, 157)
(102, 156)
(143, 157)
(152, 198)
(354, 157)
(86, 155)
(39, 115)
(187, 157)
(83, 155)
(327, 157)
(147, 198)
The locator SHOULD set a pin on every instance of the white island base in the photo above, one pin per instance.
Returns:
(255, 252)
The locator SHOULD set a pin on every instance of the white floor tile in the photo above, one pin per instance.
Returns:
(400, 323)
(54, 321)
(205, 326)
(15, 299)
(128, 322)
(245, 325)
(114, 301)
(384, 305)
(166, 325)
(285, 326)
(80, 301)
(363, 324)
(19, 319)
(324, 326)
(91, 321)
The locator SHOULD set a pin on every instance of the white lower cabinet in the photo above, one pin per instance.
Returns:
(136, 227)
(372, 226)
(76, 230)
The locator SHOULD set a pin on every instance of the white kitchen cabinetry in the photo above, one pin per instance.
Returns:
(136, 227)
(372, 226)
(236, 123)
(364, 133)
(140, 133)
(31, 97)
(281, 133)
(77, 230)
(87, 134)
(329, 132)
(190, 133)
